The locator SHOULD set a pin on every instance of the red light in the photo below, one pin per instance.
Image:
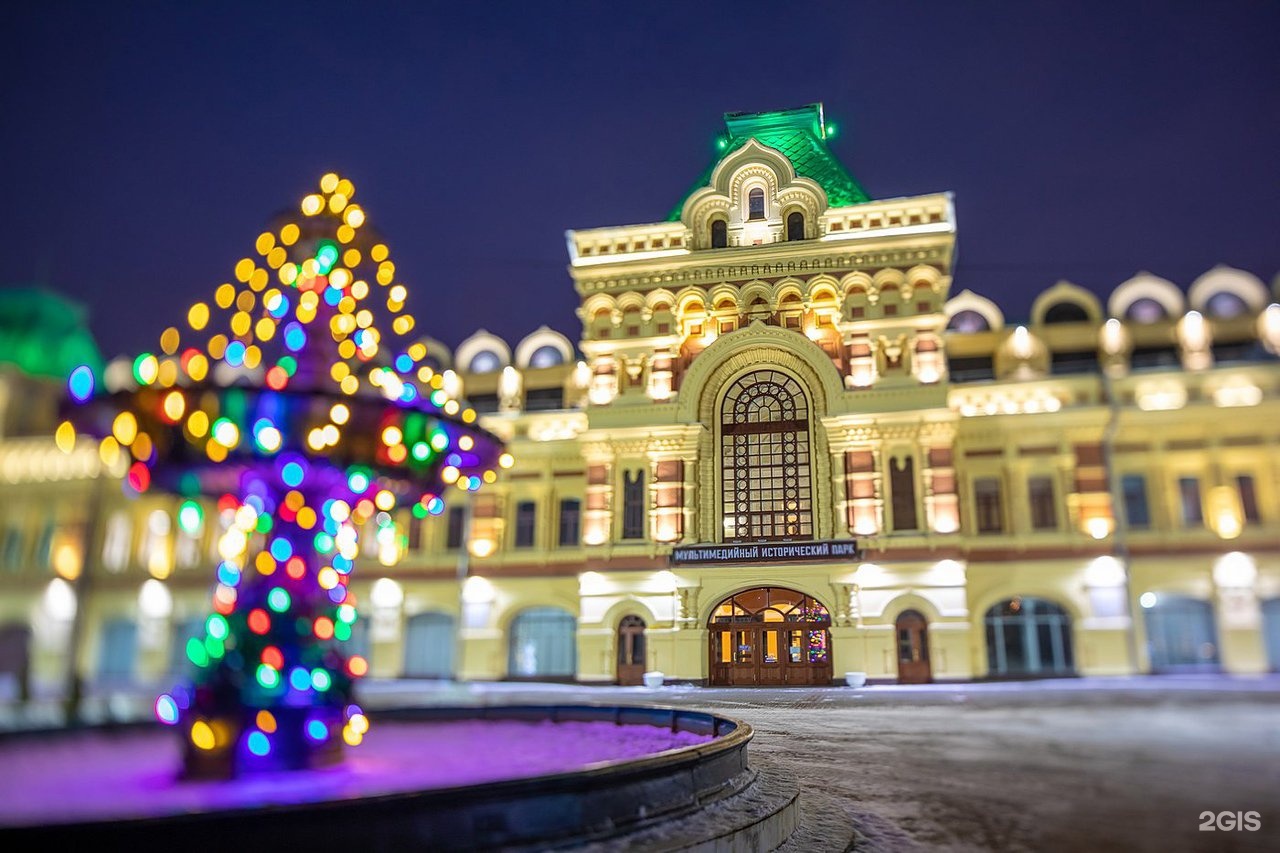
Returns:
(324, 628)
(227, 502)
(139, 477)
(273, 657)
(295, 568)
(259, 621)
(277, 378)
(357, 666)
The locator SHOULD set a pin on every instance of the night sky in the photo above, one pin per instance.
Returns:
(144, 146)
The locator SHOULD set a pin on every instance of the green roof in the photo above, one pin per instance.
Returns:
(44, 334)
(801, 135)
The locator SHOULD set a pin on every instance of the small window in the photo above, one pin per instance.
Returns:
(755, 204)
(1044, 515)
(795, 226)
(1248, 499)
(1189, 493)
(1224, 305)
(526, 521)
(485, 361)
(633, 505)
(902, 491)
(546, 356)
(456, 521)
(570, 522)
(988, 507)
(1136, 511)
(1145, 310)
(719, 234)
(1066, 312)
(968, 322)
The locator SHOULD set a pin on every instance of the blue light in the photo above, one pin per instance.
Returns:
(279, 307)
(235, 353)
(435, 506)
(332, 296)
(358, 482)
(408, 393)
(295, 338)
(167, 710)
(337, 594)
(259, 744)
(281, 549)
(403, 363)
(228, 573)
(317, 730)
(299, 679)
(292, 474)
(80, 383)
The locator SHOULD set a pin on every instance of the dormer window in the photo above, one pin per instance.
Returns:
(719, 234)
(755, 204)
(795, 226)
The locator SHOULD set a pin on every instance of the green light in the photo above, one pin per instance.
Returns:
(830, 130)
(217, 626)
(264, 523)
(214, 647)
(196, 652)
(268, 677)
(278, 599)
(320, 680)
(421, 451)
(341, 632)
(190, 517)
(326, 257)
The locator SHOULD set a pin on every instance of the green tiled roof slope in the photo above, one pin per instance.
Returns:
(801, 135)
(44, 334)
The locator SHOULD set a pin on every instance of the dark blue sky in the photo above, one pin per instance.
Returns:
(144, 146)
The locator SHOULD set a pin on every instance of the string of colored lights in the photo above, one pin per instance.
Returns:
(300, 418)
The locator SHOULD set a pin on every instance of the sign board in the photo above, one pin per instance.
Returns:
(828, 551)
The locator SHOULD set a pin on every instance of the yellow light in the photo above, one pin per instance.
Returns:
(240, 322)
(353, 216)
(386, 272)
(276, 257)
(198, 316)
(197, 367)
(337, 202)
(315, 439)
(451, 407)
(360, 289)
(339, 369)
(306, 518)
(202, 735)
(217, 346)
(398, 293)
(125, 428)
(227, 434)
(252, 356)
(468, 416)
(384, 500)
(402, 325)
(266, 241)
(65, 437)
(289, 234)
(449, 474)
(378, 253)
(109, 451)
(330, 434)
(198, 424)
(265, 329)
(328, 182)
(359, 723)
(167, 375)
(350, 385)
(142, 447)
(259, 279)
(169, 340)
(312, 204)
(66, 561)
(245, 301)
(490, 476)
(346, 233)
(327, 578)
(225, 295)
(391, 435)
(351, 257)
(346, 188)
(244, 269)
(339, 413)
(466, 442)
(288, 274)
(506, 460)
(352, 738)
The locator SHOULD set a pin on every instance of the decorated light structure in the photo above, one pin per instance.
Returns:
(284, 402)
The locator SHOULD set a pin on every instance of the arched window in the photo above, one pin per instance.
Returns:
(1224, 305)
(795, 226)
(968, 321)
(485, 361)
(1066, 312)
(546, 356)
(766, 487)
(543, 644)
(755, 204)
(1181, 635)
(1029, 636)
(1145, 310)
(719, 234)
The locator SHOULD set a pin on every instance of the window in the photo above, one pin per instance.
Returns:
(755, 204)
(795, 226)
(988, 509)
(485, 361)
(1044, 512)
(526, 523)
(1066, 312)
(1029, 636)
(570, 522)
(543, 399)
(1133, 487)
(633, 505)
(766, 486)
(1145, 310)
(546, 356)
(1189, 493)
(968, 321)
(902, 489)
(456, 521)
(719, 234)
(1248, 499)
(1225, 305)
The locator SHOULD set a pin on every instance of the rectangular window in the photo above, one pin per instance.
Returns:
(902, 489)
(1044, 510)
(526, 523)
(633, 505)
(988, 511)
(1189, 493)
(544, 399)
(1248, 499)
(1136, 511)
(453, 534)
(570, 522)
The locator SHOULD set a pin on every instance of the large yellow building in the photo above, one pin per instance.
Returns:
(782, 451)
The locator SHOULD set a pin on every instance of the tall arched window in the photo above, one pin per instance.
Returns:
(719, 234)
(766, 487)
(795, 226)
(755, 204)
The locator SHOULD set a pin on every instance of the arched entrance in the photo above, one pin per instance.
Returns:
(428, 646)
(913, 648)
(1181, 636)
(543, 644)
(631, 650)
(1029, 637)
(770, 636)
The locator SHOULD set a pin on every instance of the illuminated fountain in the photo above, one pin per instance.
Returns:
(286, 402)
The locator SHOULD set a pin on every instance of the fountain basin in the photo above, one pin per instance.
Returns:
(438, 778)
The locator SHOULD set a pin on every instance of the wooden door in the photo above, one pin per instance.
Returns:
(631, 651)
(913, 649)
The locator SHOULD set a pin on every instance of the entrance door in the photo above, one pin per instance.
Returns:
(770, 637)
(631, 650)
(913, 649)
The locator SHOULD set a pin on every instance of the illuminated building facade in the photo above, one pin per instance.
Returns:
(783, 449)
